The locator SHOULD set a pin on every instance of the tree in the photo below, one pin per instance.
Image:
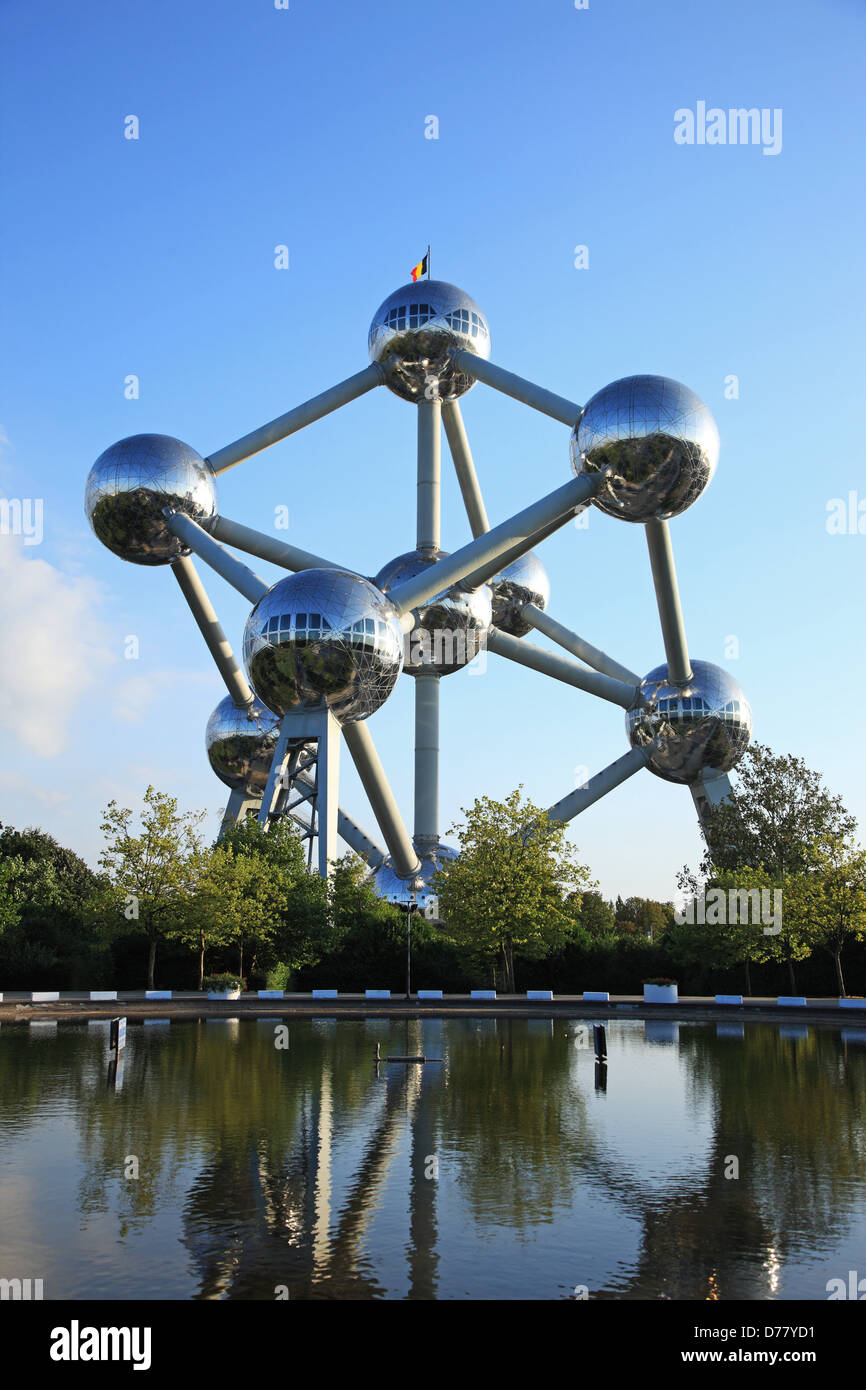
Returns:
(777, 811)
(151, 876)
(506, 891)
(46, 931)
(828, 902)
(596, 917)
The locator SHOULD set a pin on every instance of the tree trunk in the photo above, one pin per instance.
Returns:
(241, 961)
(837, 961)
(201, 962)
(151, 963)
(748, 978)
(791, 976)
(509, 958)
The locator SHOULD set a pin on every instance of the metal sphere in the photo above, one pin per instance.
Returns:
(450, 629)
(240, 743)
(416, 326)
(703, 724)
(129, 488)
(324, 636)
(658, 437)
(523, 581)
(388, 885)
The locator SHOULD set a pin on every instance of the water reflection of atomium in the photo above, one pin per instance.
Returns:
(325, 646)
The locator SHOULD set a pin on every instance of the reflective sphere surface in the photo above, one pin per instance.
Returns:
(523, 581)
(417, 325)
(658, 437)
(131, 484)
(706, 723)
(324, 637)
(240, 744)
(450, 629)
(388, 885)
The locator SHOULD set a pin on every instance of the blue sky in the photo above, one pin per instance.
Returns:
(306, 127)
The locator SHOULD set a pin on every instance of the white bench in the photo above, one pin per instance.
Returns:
(429, 994)
(44, 996)
(729, 998)
(103, 994)
(270, 994)
(539, 994)
(482, 994)
(793, 1001)
(596, 996)
(157, 994)
(324, 994)
(378, 994)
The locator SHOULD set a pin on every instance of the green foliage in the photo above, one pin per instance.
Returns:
(223, 983)
(507, 891)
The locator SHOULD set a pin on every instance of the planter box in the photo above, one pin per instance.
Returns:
(377, 994)
(843, 1003)
(729, 998)
(791, 1001)
(324, 994)
(429, 994)
(224, 994)
(660, 994)
(482, 994)
(539, 994)
(596, 996)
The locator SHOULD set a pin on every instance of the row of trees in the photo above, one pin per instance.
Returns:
(516, 897)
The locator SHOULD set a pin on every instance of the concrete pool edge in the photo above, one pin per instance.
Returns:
(348, 1006)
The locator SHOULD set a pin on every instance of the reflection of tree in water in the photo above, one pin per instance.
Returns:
(254, 1136)
(729, 1238)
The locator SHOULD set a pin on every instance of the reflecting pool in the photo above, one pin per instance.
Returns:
(265, 1159)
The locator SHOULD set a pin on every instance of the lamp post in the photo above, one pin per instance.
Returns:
(416, 886)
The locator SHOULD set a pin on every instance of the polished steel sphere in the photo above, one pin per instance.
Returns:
(240, 744)
(411, 335)
(704, 724)
(523, 581)
(450, 629)
(389, 886)
(659, 439)
(324, 636)
(130, 486)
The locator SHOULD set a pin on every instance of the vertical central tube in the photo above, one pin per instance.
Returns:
(429, 474)
(426, 762)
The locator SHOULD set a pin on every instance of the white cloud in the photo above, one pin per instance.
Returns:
(53, 648)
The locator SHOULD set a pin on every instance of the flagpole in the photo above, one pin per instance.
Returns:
(428, 260)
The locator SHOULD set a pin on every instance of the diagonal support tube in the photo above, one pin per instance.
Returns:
(599, 785)
(360, 745)
(264, 547)
(658, 538)
(538, 397)
(207, 549)
(562, 668)
(218, 644)
(598, 660)
(464, 467)
(293, 420)
(513, 537)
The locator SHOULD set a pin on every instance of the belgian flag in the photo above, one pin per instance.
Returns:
(421, 268)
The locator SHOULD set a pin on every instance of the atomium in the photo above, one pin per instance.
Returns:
(690, 727)
(324, 637)
(413, 332)
(659, 440)
(324, 647)
(450, 628)
(240, 742)
(132, 485)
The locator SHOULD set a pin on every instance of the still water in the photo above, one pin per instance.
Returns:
(722, 1161)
